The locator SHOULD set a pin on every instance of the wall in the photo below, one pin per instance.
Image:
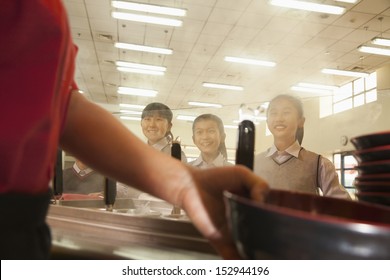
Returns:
(323, 135)
(383, 77)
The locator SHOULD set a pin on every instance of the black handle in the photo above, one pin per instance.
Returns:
(109, 191)
(176, 150)
(57, 180)
(176, 153)
(246, 144)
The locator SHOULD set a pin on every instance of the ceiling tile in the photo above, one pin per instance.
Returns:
(371, 6)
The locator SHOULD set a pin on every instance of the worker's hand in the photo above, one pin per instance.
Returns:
(203, 202)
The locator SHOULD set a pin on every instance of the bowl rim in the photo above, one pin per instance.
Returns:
(373, 194)
(372, 183)
(372, 150)
(373, 163)
(303, 215)
(355, 140)
(379, 133)
(371, 176)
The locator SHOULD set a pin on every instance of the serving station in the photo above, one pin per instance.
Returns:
(84, 229)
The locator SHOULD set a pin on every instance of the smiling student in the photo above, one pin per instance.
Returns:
(209, 136)
(287, 165)
(156, 123)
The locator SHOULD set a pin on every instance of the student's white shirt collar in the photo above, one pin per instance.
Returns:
(218, 161)
(160, 145)
(293, 150)
(78, 170)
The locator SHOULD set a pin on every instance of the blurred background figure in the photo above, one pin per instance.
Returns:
(81, 179)
(209, 136)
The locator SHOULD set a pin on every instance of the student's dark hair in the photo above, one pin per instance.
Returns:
(160, 109)
(218, 121)
(298, 105)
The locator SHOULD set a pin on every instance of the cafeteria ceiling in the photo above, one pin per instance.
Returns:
(301, 43)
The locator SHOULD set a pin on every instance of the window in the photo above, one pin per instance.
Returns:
(345, 167)
(358, 100)
(358, 86)
(343, 105)
(371, 96)
(349, 96)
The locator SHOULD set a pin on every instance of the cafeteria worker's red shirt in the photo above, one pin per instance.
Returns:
(37, 58)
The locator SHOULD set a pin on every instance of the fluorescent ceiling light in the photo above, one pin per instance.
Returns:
(374, 50)
(134, 106)
(222, 86)
(140, 66)
(137, 91)
(309, 6)
(231, 126)
(344, 73)
(318, 86)
(142, 48)
(202, 104)
(254, 118)
(311, 90)
(381, 41)
(131, 112)
(250, 61)
(147, 19)
(130, 67)
(140, 71)
(186, 118)
(149, 8)
(347, 1)
(130, 118)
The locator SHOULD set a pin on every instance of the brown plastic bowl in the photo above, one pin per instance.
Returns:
(374, 167)
(374, 186)
(292, 225)
(371, 140)
(373, 154)
(380, 198)
(384, 177)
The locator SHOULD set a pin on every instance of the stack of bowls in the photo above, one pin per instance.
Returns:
(373, 156)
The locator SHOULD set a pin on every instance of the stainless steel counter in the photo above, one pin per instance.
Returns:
(90, 233)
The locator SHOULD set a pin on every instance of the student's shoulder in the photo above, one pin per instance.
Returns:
(323, 160)
(309, 153)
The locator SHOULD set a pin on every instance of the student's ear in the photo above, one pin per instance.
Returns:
(193, 139)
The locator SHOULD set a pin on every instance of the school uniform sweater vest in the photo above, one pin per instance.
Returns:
(90, 183)
(295, 174)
